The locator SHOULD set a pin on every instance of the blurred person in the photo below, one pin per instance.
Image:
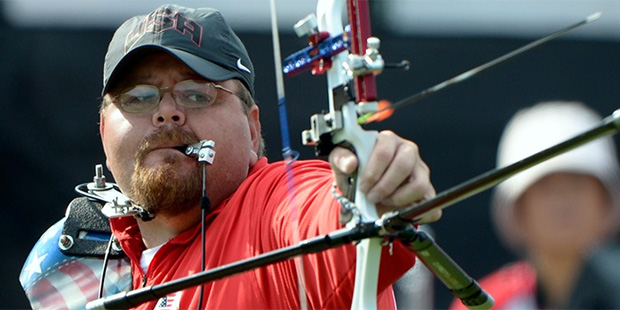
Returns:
(554, 214)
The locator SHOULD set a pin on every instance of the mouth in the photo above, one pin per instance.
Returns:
(166, 153)
(178, 147)
(166, 142)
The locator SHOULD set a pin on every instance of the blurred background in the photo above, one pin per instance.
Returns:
(52, 57)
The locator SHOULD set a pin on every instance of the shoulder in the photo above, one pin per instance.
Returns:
(512, 286)
(279, 177)
(311, 166)
(50, 277)
(275, 191)
(517, 274)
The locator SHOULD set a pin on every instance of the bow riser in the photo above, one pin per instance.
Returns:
(329, 15)
(368, 255)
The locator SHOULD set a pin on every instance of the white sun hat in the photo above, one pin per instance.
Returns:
(534, 129)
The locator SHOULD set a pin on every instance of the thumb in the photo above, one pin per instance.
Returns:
(342, 161)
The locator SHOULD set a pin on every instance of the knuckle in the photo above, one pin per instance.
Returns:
(387, 134)
(431, 193)
(422, 186)
(382, 189)
(410, 147)
(371, 178)
(383, 154)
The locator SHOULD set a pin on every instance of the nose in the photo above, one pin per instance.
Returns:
(168, 112)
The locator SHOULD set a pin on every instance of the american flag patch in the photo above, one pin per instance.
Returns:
(52, 280)
(170, 302)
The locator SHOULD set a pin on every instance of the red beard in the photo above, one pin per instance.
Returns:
(163, 190)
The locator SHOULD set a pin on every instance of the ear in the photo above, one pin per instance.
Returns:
(101, 124)
(255, 127)
(101, 133)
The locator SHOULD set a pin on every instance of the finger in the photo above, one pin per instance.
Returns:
(431, 217)
(426, 218)
(380, 158)
(406, 177)
(416, 187)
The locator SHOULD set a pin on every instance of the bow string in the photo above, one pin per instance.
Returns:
(288, 154)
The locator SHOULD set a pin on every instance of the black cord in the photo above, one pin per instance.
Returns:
(106, 258)
(205, 205)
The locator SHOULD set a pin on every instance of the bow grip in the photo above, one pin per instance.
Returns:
(368, 250)
(362, 141)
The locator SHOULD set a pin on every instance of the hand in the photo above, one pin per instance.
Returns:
(395, 177)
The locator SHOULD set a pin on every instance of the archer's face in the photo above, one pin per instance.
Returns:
(235, 132)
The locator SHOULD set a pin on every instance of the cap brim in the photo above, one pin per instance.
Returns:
(203, 67)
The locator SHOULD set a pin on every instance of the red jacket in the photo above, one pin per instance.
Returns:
(512, 287)
(255, 220)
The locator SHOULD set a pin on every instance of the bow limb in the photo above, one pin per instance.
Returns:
(329, 18)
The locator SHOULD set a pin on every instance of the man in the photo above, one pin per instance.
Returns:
(554, 214)
(178, 76)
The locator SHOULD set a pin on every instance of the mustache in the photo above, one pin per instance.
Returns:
(163, 137)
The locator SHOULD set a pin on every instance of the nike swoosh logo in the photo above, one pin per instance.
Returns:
(242, 67)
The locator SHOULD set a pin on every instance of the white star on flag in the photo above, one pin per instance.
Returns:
(35, 265)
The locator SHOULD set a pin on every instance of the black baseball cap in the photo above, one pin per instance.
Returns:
(200, 38)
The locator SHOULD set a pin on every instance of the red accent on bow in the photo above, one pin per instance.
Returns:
(359, 20)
